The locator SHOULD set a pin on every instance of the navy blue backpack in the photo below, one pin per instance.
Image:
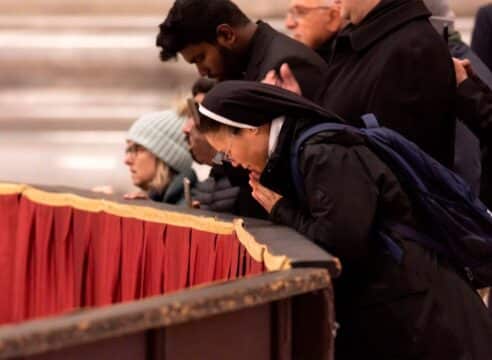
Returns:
(461, 228)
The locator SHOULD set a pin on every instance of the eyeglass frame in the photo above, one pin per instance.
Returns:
(223, 156)
(305, 10)
(134, 149)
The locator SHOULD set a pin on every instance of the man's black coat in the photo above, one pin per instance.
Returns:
(395, 65)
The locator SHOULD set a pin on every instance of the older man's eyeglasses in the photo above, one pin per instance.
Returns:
(298, 12)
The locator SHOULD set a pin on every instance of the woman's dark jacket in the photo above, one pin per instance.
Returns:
(420, 309)
(174, 192)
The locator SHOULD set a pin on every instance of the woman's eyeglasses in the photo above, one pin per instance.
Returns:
(134, 149)
(220, 158)
(223, 156)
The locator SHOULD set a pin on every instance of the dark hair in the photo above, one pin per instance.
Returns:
(202, 86)
(209, 126)
(195, 21)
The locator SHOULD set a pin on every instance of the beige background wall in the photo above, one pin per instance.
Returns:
(138, 7)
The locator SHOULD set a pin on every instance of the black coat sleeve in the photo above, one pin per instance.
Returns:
(474, 108)
(341, 201)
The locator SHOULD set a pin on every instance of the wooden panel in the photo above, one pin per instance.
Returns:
(282, 330)
(132, 347)
(313, 326)
(235, 336)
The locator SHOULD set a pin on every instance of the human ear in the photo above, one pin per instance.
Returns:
(226, 36)
(334, 20)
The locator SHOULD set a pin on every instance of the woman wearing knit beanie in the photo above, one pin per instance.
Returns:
(158, 158)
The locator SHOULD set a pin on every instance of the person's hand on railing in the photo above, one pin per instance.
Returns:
(137, 195)
(103, 189)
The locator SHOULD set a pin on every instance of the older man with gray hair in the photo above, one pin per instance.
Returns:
(314, 22)
(317, 22)
(388, 61)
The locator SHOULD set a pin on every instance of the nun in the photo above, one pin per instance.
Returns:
(416, 308)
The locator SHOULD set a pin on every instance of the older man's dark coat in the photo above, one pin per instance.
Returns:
(395, 65)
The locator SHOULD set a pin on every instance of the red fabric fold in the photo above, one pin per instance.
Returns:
(56, 259)
(22, 302)
(153, 259)
(176, 263)
(65, 295)
(9, 209)
(132, 248)
(202, 257)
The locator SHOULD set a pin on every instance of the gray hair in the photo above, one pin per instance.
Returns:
(440, 8)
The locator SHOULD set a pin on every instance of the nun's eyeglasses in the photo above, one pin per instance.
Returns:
(223, 156)
(220, 158)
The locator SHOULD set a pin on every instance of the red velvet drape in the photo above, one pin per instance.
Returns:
(56, 259)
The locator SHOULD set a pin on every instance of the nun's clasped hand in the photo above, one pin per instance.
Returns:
(265, 197)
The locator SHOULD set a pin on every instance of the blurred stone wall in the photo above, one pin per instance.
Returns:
(154, 7)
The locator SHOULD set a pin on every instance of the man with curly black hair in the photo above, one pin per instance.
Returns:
(225, 44)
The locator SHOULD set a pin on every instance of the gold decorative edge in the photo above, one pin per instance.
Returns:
(258, 251)
(11, 189)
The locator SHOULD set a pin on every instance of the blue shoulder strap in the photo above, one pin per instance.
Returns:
(370, 121)
(298, 147)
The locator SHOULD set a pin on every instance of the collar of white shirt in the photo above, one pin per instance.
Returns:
(275, 129)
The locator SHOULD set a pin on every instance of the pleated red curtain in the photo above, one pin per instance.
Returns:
(56, 259)
(9, 211)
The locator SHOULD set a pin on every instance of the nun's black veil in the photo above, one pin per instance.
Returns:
(255, 104)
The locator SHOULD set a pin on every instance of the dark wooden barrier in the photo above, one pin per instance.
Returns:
(284, 313)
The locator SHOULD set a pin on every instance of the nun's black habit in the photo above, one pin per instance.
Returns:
(419, 309)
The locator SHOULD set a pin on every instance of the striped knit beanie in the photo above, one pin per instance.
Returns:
(161, 134)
